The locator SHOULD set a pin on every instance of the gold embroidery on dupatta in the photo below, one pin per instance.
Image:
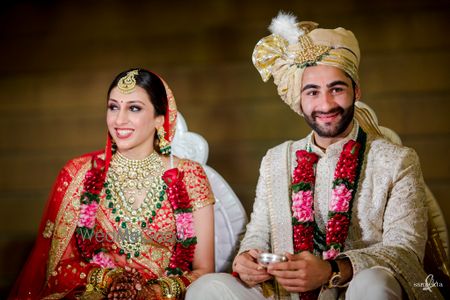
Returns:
(65, 220)
(74, 167)
(48, 231)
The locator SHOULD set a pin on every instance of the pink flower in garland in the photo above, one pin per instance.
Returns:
(103, 260)
(185, 225)
(87, 215)
(178, 197)
(302, 206)
(93, 185)
(330, 254)
(302, 201)
(337, 228)
(340, 199)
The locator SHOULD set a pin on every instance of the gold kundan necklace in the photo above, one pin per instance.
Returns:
(129, 181)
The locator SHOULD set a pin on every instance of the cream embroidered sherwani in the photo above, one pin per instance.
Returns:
(389, 219)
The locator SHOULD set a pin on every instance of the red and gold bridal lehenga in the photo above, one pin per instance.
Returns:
(56, 267)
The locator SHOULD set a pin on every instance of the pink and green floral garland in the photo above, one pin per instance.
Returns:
(307, 235)
(346, 176)
(183, 253)
(91, 250)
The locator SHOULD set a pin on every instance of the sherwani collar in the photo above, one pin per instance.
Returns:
(335, 148)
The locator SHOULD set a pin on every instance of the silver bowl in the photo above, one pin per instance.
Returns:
(265, 259)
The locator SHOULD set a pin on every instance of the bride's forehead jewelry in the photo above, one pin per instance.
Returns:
(127, 83)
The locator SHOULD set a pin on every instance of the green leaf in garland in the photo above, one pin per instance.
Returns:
(301, 186)
(183, 210)
(174, 271)
(344, 181)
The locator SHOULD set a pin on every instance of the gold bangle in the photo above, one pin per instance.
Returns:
(166, 287)
(90, 286)
(92, 274)
(99, 278)
(175, 287)
(93, 289)
(95, 280)
(181, 285)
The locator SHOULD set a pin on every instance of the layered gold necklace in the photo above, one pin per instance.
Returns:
(134, 191)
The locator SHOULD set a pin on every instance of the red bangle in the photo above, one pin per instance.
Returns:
(235, 274)
(185, 280)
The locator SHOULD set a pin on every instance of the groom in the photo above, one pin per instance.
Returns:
(343, 204)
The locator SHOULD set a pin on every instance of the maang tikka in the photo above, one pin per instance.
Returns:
(127, 83)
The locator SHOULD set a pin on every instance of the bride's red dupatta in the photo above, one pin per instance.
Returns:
(34, 275)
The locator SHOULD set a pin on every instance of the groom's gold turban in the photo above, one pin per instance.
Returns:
(294, 46)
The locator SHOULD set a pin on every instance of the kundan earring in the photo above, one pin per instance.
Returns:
(113, 147)
(164, 145)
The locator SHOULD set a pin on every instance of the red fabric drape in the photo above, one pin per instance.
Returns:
(31, 282)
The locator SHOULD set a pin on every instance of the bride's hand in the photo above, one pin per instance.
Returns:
(128, 285)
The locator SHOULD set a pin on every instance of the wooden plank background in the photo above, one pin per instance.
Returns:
(57, 59)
